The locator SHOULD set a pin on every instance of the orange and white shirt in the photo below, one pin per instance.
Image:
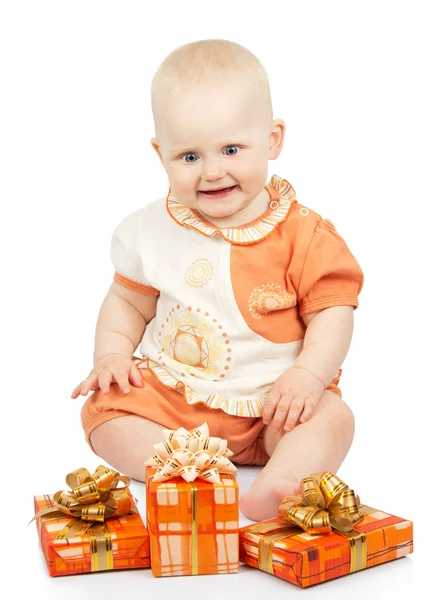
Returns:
(230, 301)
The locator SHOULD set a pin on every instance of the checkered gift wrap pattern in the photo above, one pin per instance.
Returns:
(130, 543)
(305, 559)
(181, 546)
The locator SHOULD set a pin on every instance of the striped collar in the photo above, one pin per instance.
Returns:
(282, 196)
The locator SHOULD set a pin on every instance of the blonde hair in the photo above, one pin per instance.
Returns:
(207, 62)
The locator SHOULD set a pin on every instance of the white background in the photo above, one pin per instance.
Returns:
(357, 84)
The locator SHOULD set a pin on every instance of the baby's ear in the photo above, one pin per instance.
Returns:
(155, 145)
(276, 138)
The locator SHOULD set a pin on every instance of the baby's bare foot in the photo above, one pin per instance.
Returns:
(267, 492)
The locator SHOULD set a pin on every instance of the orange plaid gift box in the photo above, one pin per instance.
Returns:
(192, 505)
(324, 533)
(96, 527)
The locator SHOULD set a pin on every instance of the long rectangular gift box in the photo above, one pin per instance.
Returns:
(287, 551)
(72, 545)
(193, 525)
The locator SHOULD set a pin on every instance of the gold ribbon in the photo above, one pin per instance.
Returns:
(194, 540)
(326, 503)
(92, 500)
(191, 454)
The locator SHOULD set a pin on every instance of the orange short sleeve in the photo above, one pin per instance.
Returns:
(329, 275)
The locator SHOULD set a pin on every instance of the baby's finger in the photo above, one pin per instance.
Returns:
(309, 408)
(281, 412)
(90, 383)
(121, 378)
(270, 405)
(135, 377)
(77, 390)
(105, 379)
(295, 410)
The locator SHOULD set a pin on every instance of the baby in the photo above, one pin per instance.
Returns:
(241, 298)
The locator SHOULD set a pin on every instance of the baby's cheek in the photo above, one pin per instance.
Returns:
(254, 172)
(185, 193)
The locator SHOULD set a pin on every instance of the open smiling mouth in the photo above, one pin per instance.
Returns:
(219, 193)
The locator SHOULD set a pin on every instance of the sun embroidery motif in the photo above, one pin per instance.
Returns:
(199, 273)
(193, 343)
(268, 298)
(188, 346)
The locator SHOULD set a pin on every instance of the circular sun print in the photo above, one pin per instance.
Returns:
(199, 273)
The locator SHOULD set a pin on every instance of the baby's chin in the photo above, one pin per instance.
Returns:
(217, 212)
(218, 209)
(215, 208)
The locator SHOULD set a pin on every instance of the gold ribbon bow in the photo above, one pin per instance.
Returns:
(92, 500)
(326, 503)
(191, 454)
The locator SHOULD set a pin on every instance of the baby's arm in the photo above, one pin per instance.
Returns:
(326, 342)
(121, 323)
(297, 392)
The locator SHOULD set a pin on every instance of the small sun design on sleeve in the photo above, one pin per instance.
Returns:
(268, 298)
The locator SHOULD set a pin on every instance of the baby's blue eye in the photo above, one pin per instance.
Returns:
(190, 154)
(231, 148)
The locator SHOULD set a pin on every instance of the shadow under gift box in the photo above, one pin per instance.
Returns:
(127, 548)
(193, 527)
(288, 552)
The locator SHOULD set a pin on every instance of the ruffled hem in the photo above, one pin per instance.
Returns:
(243, 407)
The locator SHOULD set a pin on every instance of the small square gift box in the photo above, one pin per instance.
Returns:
(323, 533)
(192, 505)
(94, 527)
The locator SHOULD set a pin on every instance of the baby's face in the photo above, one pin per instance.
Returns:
(213, 138)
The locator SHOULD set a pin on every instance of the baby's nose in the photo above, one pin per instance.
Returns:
(212, 170)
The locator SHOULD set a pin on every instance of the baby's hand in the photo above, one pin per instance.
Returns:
(296, 391)
(112, 368)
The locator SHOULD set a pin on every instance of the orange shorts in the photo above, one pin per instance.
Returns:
(170, 409)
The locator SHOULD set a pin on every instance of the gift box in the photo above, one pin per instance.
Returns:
(192, 505)
(89, 539)
(307, 544)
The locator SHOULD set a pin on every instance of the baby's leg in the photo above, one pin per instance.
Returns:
(126, 443)
(320, 444)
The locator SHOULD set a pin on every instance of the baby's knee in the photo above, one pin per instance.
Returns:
(101, 436)
(340, 417)
(347, 416)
